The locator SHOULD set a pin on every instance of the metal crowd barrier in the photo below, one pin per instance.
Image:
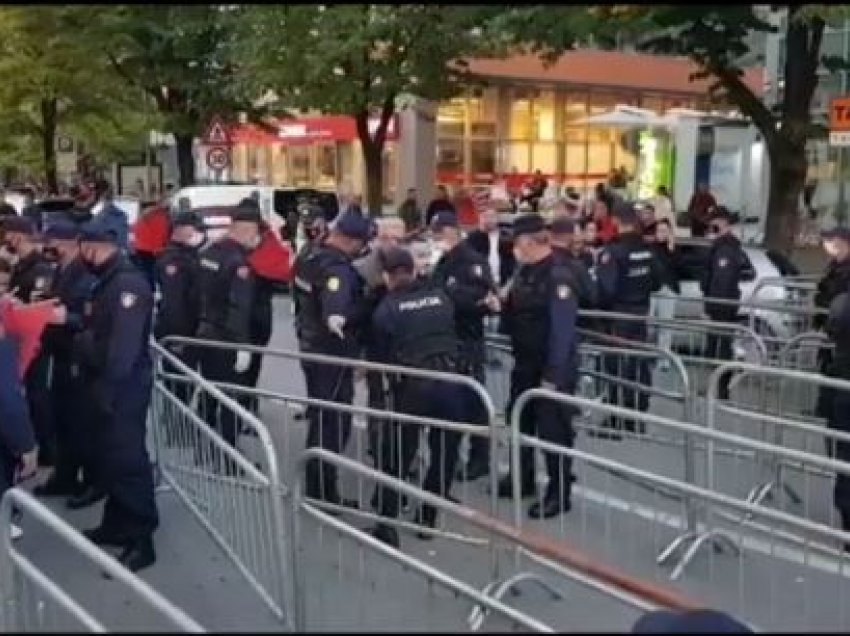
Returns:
(797, 289)
(772, 405)
(33, 600)
(790, 573)
(573, 578)
(802, 352)
(237, 502)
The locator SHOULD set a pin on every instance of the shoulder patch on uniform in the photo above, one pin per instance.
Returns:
(128, 299)
(478, 271)
(563, 291)
(243, 272)
(333, 284)
(723, 262)
(209, 264)
(450, 281)
(171, 269)
(605, 258)
(40, 282)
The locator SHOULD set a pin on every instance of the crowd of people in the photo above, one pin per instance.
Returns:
(360, 289)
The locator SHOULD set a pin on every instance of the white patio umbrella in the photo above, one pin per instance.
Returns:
(626, 117)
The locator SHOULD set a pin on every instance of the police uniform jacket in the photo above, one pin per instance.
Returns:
(415, 326)
(465, 277)
(113, 349)
(326, 284)
(627, 275)
(838, 328)
(72, 285)
(227, 287)
(580, 280)
(726, 261)
(540, 313)
(32, 276)
(835, 281)
(178, 278)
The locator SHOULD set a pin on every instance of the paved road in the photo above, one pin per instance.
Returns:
(349, 588)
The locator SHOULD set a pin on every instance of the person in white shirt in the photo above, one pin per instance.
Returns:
(664, 207)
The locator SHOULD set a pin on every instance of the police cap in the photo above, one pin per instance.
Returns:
(354, 226)
(62, 230)
(721, 213)
(396, 258)
(562, 225)
(98, 232)
(19, 225)
(442, 220)
(188, 219)
(247, 211)
(840, 233)
(626, 213)
(528, 224)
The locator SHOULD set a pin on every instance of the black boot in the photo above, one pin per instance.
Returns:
(845, 524)
(553, 504)
(506, 488)
(88, 497)
(426, 516)
(138, 555)
(106, 536)
(387, 534)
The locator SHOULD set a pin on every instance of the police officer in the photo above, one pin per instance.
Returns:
(113, 349)
(836, 279)
(177, 276)
(838, 328)
(415, 326)
(72, 287)
(562, 231)
(465, 275)
(31, 278)
(726, 262)
(627, 275)
(540, 316)
(328, 294)
(227, 288)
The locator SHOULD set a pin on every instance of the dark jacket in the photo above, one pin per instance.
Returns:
(726, 262)
(16, 433)
(438, 205)
(836, 280)
(480, 242)
(668, 266)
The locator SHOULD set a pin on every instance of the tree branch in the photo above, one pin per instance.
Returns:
(747, 101)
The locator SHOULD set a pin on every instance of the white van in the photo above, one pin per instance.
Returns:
(279, 206)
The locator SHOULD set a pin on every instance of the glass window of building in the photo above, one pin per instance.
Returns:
(280, 156)
(603, 103)
(575, 155)
(451, 117)
(326, 169)
(482, 157)
(599, 152)
(544, 157)
(449, 155)
(346, 161)
(299, 165)
(516, 157)
(519, 126)
(543, 116)
(483, 112)
(652, 102)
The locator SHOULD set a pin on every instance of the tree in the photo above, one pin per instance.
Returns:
(53, 80)
(718, 39)
(175, 56)
(358, 60)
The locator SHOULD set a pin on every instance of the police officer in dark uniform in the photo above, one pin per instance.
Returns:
(836, 280)
(177, 276)
(415, 326)
(838, 417)
(465, 276)
(31, 278)
(114, 352)
(726, 262)
(562, 230)
(328, 294)
(72, 287)
(227, 289)
(627, 275)
(540, 315)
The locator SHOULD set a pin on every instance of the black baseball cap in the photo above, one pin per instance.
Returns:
(248, 211)
(354, 226)
(396, 258)
(562, 225)
(528, 224)
(721, 213)
(19, 225)
(442, 220)
(188, 219)
(62, 230)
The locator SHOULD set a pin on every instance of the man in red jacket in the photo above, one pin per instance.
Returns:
(151, 234)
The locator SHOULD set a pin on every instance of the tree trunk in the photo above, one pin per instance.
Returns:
(787, 177)
(372, 157)
(48, 143)
(185, 159)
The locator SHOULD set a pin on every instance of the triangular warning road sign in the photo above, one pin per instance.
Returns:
(216, 134)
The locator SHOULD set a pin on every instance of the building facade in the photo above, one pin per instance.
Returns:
(517, 117)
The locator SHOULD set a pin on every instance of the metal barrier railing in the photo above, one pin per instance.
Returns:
(569, 564)
(238, 503)
(773, 405)
(788, 558)
(804, 287)
(31, 600)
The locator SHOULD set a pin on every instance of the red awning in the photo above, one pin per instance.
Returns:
(306, 130)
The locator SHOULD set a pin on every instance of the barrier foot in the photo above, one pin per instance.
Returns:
(479, 613)
(674, 547)
(717, 539)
